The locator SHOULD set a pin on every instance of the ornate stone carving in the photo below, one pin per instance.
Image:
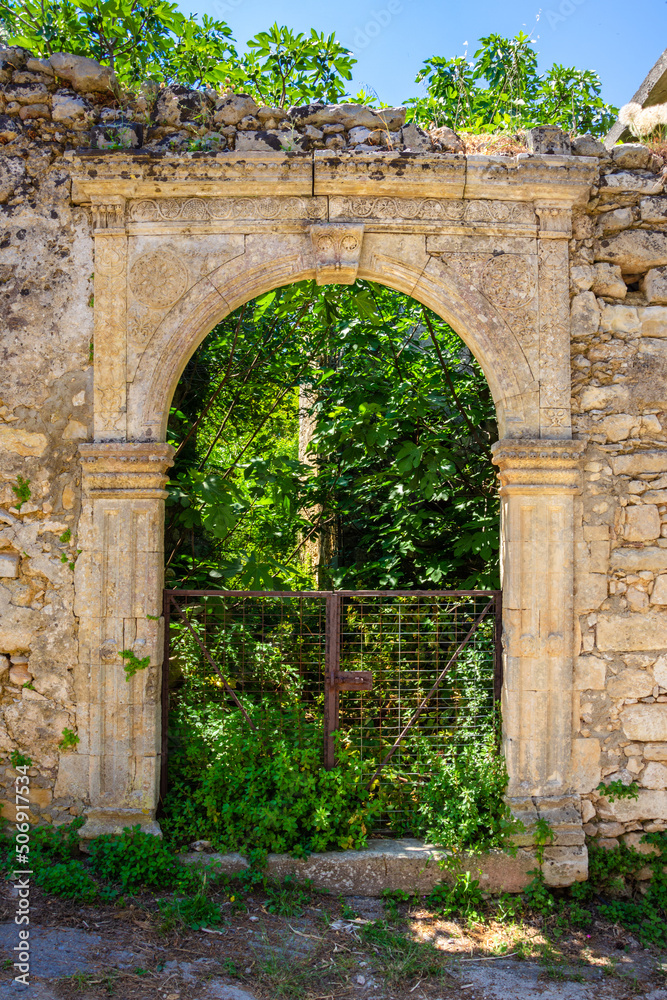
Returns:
(108, 213)
(109, 336)
(433, 209)
(129, 470)
(227, 209)
(555, 222)
(336, 248)
(509, 281)
(554, 318)
(158, 278)
(538, 465)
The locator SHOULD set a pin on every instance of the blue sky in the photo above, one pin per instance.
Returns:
(391, 38)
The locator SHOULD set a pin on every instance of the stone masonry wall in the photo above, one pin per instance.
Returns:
(619, 374)
(619, 378)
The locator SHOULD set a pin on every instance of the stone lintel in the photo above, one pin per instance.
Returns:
(558, 180)
(538, 465)
(131, 470)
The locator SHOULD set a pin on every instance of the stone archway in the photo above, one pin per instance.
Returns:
(179, 244)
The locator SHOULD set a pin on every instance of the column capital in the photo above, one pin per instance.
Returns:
(127, 470)
(538, 465)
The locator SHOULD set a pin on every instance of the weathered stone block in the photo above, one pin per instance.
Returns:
(598, 397)
(586, 771)
(654, 287)
(620, 319)
(642, 523)
(589, 673)
(654, 776)
(635, 251)
(649, 805)
(584, 315)
(639, 462)
(645, 722)
(608, 280)
(633, 632)
(635, 560)
(655, 751)
(659, 596)
(9, 564)
(630, 684)
(631, 156)
(654, 320)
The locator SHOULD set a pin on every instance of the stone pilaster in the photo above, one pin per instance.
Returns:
(554, 320)
(539, 479)
(109, 345)
(119, 582)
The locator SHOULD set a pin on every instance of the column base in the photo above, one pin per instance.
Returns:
(99, 821)
(566, 856)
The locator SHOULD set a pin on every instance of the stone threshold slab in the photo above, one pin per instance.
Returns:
(406, 865)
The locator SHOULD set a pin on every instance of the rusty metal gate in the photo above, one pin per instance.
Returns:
(380, 667)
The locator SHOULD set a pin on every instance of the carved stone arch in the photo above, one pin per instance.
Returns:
(180, 243)
(266, 265)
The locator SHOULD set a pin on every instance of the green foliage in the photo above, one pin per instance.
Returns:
(68, 879)
(617, 790)
(66, 536)
(395, 486)
(19, 759)
(152, 39)
(22, 491)
(132, 662)
(137, 40)
(194, 912)
(69, 739)
(500, 89)
(287, 899)
(400, 958)
(135, 859)
(462, 898)
(461, 803)
(285, 68)
(265, 789)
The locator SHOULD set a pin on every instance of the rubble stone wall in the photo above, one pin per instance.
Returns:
(50, 113)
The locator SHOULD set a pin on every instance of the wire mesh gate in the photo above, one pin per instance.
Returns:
(382, 668)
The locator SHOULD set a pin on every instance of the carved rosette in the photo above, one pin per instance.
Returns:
(538, 465)
(131, 470)
(336, 249)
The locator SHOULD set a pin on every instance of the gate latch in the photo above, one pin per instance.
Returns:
(353, 680)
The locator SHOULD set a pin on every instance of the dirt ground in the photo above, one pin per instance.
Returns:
(321, 948)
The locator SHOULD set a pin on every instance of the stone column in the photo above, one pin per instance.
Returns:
(539, 479)
(119, 582)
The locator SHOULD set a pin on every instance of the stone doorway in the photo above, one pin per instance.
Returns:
(181, 243)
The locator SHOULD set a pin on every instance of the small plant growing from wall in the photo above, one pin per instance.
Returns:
(69, 740)
(133, 663)
(21, 491)
(617, 790)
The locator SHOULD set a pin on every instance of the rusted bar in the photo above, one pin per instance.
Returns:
(421, 708)
(164, 696)
(331, 665)
(339, 593)
(210, 659)
(498, 649)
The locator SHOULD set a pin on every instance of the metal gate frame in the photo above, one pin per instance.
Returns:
(335, 680)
